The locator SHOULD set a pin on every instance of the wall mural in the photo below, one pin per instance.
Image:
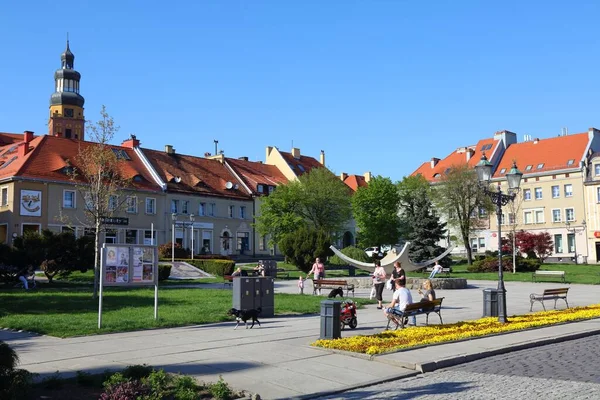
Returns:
(31, 203)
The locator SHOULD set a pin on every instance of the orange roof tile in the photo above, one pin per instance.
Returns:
(194, 175)
(355, 181)
(10, 138)
(300, 165)
(557, 153)
(458, 157)
(256, 173)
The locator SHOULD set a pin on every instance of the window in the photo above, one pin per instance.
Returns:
(150, 205)
(539, 216)
(482, 212)
(113, 203)
(527, 194)
(271, 188)
(528, 217)
(571, 242)
(89, 232)
(570, 214)
(555, 191)
(570, 162)
(89, 204)
(528, 168)
(511, 218)
(131, 236)
(556, 215)
(4, 199)
(68, 199)
(503, 170)
(502, 219)
(148, 239)
(243, 241)
(540, 166)
(242, 212)
(132, 204)
(568, 190)
(212, 209)
(206, 242)
(202, 209)
(110, 236)
(185, 206)
(598, 195)
(481, 243)
(596, 169)
(262, 243)
(174, 206)
(558, 246)
(231, 211)
(68, 133)
(538, 193)
(260, 188)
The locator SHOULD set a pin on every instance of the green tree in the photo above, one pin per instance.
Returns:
(375, 209)
(303, 245)
(459, 197)
(318, 200)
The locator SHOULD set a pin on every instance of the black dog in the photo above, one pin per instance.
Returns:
(245, 315)
(339, 291)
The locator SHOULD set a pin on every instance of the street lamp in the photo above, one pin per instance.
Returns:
(484, 176)
(192, 219)
(574, 230)
(174, 218)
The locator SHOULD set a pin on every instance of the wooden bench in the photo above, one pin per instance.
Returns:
(414, 309)
(319, 284)
(444, 270)
(560, 274)
(549, 294)
(282, 273)
(228, 280)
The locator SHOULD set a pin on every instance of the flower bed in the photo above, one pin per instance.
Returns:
(389, 341)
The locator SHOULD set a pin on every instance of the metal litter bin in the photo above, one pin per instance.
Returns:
(254, 292)
(330, 319)
(490, 302)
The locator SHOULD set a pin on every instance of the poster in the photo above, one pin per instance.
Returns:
(110, 274)
(137, 264)
(129, 264)
(31, 203)
(123, 256)
(111, 256)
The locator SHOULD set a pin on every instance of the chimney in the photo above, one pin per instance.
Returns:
(434, 162)
(243, 158)
(22, 149)
(27, 136)
(296, 152)
(322, 158)
(343, 176)
(169, 149)
(131, 142)
(367, 177)
(207, 154)
(536, 140)
(469, 154)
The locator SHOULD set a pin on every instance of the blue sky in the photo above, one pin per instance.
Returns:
(381, 86)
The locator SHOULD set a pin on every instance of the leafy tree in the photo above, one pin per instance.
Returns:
(459, 197)
(421, 225)
(535, 245)
(302, 246)
(318, 200)
(375, 209)
(97, 174)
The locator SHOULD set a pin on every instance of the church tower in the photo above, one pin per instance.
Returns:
(66, 104)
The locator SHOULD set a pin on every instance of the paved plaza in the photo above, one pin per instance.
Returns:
(278, 362)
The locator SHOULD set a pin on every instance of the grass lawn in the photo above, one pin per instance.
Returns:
(585, 274)
(73, 312)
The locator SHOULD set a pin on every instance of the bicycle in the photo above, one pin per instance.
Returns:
(31, 283)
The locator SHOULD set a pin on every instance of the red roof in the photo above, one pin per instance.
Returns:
(544, 155)
(256, 173)
(48, 156)
(355, 181)
(195, 175)
(10, 138)
(458, 157)
(300, 165)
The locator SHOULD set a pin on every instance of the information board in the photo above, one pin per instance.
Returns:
(129, 265)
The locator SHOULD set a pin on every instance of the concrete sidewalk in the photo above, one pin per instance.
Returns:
(277, 360)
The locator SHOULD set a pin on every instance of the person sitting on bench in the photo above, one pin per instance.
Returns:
(437, 268)
(400, 300)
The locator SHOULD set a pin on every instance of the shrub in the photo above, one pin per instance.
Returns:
(14, 383)
(85, 379)
(220, 390)
(214, 266)
(125, 391)
(164, 271)
(302, 246)
(490, 264)
(528, 264)
(137, 372)
(164, 251)
(352, 252)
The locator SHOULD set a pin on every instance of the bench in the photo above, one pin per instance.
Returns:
(444, 270)
(319, 284)
(228, 280)
(549, 294)
(421, 307)
(282, 273)
(560, 274)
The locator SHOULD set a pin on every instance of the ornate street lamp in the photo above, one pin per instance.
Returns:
(484, 175)
(574, 231)
(174, 219)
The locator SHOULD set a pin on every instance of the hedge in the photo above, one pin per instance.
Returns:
(213, 266)
(164, 271)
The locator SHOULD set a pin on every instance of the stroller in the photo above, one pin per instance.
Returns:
(348, 315)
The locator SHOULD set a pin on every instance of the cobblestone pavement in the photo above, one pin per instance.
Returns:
(564, 370)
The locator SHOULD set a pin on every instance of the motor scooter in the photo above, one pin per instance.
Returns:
(348, 315)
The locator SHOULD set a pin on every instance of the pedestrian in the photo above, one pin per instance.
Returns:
(437, 268)
(318, 271)
(397, 273)
(379, 282)
(301, 285)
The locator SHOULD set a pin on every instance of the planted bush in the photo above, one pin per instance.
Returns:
(214, 266)
(490, 264)
(164, 251)
(164, 271)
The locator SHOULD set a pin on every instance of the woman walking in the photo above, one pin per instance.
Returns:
(379, 282)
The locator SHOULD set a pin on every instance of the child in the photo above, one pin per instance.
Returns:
(301, 285)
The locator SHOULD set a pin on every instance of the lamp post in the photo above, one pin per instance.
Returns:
(574, 231)
(174, 219)
(484, 175)
(192, 219)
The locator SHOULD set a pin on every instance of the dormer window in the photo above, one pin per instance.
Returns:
(503, 170)
(570, 162)
(528, 168)
(436, 175)
(260, 189)
(540, 166)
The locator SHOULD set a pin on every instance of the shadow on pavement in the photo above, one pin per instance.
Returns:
(411, 393)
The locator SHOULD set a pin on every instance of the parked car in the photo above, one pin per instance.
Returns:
(374, 251)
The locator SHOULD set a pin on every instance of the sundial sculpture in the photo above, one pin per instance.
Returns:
(390, 258)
